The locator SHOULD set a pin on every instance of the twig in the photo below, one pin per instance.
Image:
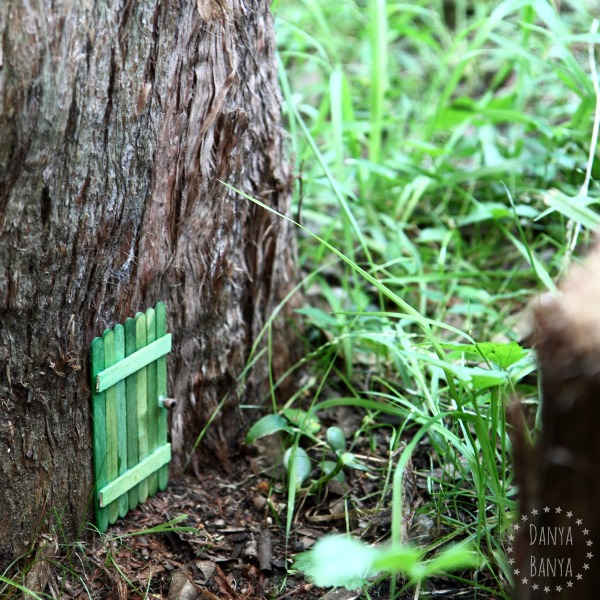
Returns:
(265, 550)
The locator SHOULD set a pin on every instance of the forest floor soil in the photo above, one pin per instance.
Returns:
(234, 546)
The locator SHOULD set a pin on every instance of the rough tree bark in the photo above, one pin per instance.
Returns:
(117, 121)
(557, 545)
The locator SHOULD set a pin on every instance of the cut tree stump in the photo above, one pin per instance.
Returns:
(557, 548)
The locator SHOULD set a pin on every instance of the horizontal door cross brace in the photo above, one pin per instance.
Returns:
(161, 456)
(133, 363)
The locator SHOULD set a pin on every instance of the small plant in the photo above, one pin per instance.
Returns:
(295, 459)
(445, 160)
(10, 584)
(344, 561)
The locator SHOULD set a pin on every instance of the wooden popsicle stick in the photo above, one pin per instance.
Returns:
(99, 421)
(142, 406)
(161, 390)
(152, 400)
(132, 423)
(112, 471)
(133, 477)
(143, 357)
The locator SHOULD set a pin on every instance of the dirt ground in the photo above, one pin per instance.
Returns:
(236, 548)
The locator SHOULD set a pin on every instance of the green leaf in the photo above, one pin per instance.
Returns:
(343, 561)
(338, 561)
(304, 421)
(486, 212)
(319, 317)
(483, 379)
(266, 426)
(400, 559)
(297, 464)
(503, 355)
(575, 208)
(336, 439)
(328, 466)
(452, 559)
(350, 461)
(408, 560)
(524, 367)
(479, 378)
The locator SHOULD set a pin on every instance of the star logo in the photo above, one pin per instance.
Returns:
(536, 534)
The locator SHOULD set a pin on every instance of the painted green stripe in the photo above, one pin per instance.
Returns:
(112, 471)
(131, 478)
(143, 357)
(99, 421)
(142, 406)
(123, 502)
(161, 390)
(132, 429)
(151, 397)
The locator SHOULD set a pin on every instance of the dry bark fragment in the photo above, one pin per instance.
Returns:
(265, 550)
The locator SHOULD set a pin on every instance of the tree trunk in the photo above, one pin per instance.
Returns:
(117, 120)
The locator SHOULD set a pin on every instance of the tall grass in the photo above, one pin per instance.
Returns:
(442, 149)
